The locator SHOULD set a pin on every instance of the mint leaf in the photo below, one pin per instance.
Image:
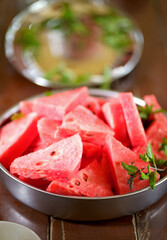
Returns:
(151, 155)
(163, 146)
(144, 157)
(143, 175)
(129, 168)
(152, 179)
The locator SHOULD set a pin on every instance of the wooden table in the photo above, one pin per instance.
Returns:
(150, 76)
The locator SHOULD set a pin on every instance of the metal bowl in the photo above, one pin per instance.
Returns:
(81, 208)
(30, 69)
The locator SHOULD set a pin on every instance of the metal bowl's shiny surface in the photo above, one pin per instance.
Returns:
(32, 72)
(81, 208)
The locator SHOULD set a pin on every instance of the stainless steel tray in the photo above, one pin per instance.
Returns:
(81, 208)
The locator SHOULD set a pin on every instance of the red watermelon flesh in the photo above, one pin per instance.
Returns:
(88, 182)
(46, 129)
(16, 137)
(117, 153)
(26, 107)
(93, 105)
(57, 105)
(91, 149)
(104, 162)
(39, 183)
(83, 121)
(152, 100)
(114, 116)
(133, 121)
(58, 160)
(36, 145)
(155, 134)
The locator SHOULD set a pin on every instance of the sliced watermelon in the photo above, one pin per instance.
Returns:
(155, 134)
(26, 107)
(16, 137)
(58, 160)
(91, 149)
(117, 153)
(89, 182)
(152, 100)
(133, 121)
(57, 105)
(39, 183)
(83, 121)
(93, 105)
(104, 162)
(36, 145)
(46, 129)
(114, 116)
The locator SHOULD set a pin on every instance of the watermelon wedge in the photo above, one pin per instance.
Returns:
(155, 134)
(26, 107)
(152, 100)
(88, 182)
(58, 160)
(114, 116)
(133, 121)
(46, 129)
(117, 153)
(16, 137)
(83, 121)
(57, 105)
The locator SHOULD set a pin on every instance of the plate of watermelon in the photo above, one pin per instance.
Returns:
(84, 154)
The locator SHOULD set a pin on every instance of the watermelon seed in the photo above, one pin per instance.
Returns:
(85, 177)
(89, 135)
(77, 183)
(52, 153)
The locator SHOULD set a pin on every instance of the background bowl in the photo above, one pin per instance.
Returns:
(81, 208)
(29, 69)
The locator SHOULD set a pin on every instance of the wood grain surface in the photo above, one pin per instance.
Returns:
(150, 76)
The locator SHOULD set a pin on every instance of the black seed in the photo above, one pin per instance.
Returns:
(52, 153)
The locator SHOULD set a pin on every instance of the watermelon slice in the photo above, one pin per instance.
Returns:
(152, 100)
(91, 149)
(46, 129)
(57, 105)
(16, 136)
(58, 160)
(38, 183)
(26, 107)
(89, 182)
(117, 153)
(93, 105)
(83, 121)
(155, 134)
(114, 116)
(133, 121)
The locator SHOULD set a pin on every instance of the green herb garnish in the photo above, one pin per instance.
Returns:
(68, 22)
(115, 30)
(66, 76)
(153, 163)
(163, 146)
(27, 37)
(16, 116)
(146, 111)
